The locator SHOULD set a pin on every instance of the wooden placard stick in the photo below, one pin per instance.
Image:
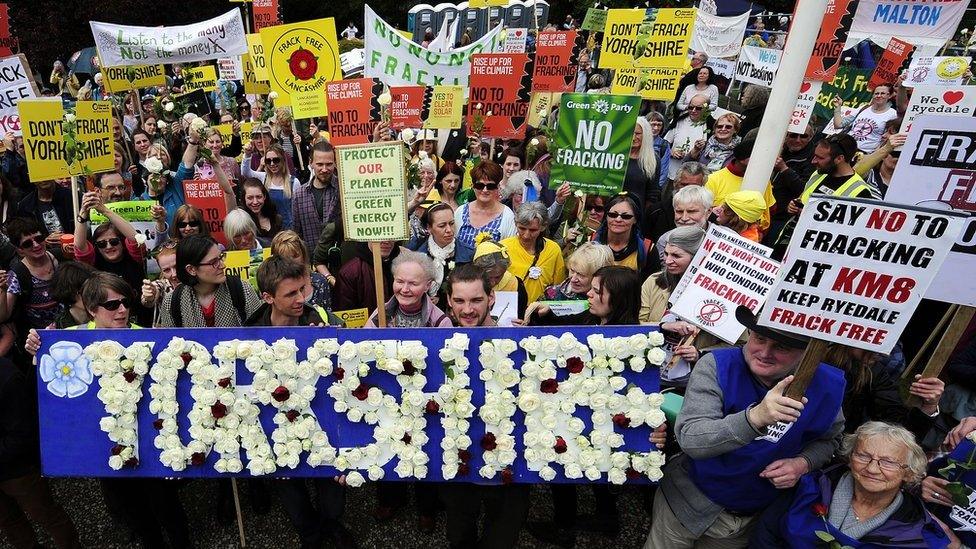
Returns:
(910, 369)
(298, 147)
(378, 280)
(809, 362)
(237, 508)
(960, 321)
(74, 194)
(687, 340)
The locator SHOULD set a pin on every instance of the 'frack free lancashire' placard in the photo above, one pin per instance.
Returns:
(373, 192)
(302, 58)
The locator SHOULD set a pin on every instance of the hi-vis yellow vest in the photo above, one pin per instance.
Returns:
(852, 187)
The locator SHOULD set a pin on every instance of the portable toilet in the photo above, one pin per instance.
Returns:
(541, 14)
(423, 21)
(444, 12)
(474, 20)
(496, 16)
(515, 15)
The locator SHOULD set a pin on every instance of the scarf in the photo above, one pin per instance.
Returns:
(440, 256)
(508, 283)
(625, 253)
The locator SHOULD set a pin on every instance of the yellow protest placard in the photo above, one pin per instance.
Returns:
(373, 192)
(251, 82)
(302, 58)
(41, 121)
(486, 3)
(200, 78)
(120, 79)
(541, 103)
(353, 318)
(625, 81)
(226, 132)
(446, 104)
(667, 43)
(656, 84)
(243, 264)
(620, 38)
(255, 49)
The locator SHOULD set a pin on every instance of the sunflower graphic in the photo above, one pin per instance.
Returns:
(303, 64)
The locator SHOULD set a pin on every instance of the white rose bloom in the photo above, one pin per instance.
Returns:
(354, 479)
(637, 364)
(654, 473)
(384, 99)
(617, 383)
(655, 339)
(486, 471)
(547, 473)
(407, 135)
(169, 106)
(655, 418)
(273, 95)
(654, 459)
(198, 124)
(656, 356)
(655, 400)
(573, 471)
(529, 402)
(617, 476)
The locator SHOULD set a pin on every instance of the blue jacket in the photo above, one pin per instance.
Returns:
(966, 476)
(790, 521)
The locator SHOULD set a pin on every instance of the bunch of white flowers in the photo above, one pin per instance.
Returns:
(120, 371)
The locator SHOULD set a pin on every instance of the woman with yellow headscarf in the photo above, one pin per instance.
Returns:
(742, 212)
(494, 258)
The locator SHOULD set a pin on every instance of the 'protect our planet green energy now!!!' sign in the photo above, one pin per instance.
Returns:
(373, 192)
(594, 137)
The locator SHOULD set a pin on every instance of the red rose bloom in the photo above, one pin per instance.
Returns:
(303, 64)
(292, 415)
(464, 455)
(819, 509)
(406, 438)
(574, 365)
(632, 474)
(464, 469)
(559, 446)
(432, 407)
(361, 392)
(408, 368)
(187, 357)
(507, 476)
(281, 393)
(117, 449)
(340, 373)
(621, 420)
(218, 410)
(198, 458)
(129, 376)
(224, 383)
(158, 424)
(488, 442)
(131, 462)
(549, 386)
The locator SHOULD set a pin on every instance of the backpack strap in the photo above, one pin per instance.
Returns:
(176, 306)
(236, 288)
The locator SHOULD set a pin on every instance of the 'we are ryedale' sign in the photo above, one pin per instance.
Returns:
(478, 405)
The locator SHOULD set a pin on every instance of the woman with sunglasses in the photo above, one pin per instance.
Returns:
(187, 220)
(714, 152)
(273, 172)
(486, 213)
(621, 231)
(27, 285)
(263, 211)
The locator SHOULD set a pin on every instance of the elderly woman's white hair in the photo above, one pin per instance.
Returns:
(407, 256)
(646, 157)
(517, 182)
(896, 434)
(694, 194)
(530, 211)
(236, 223)
(426, 163)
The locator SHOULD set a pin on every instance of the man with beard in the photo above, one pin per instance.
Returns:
(315, 204)
(790, 172)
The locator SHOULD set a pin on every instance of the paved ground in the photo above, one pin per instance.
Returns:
(82, 499)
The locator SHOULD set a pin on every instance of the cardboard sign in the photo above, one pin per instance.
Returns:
(121, 45)
(556, 62)
(660, 84)
(255, 48)
(935, 170)
(515, 40)
(893, 61)
(595, 20)
(620, 40)
(302, 58)
(936, 71)
(668, 39)
(728, 273)
(373, 192)
(200, 78)
(41, 122)
(856, 269)
(850, 84)
(244, 264)
(758, 65)
(353, 110)
(446, 106)
(723, 71)
(230, 68)
(948, 101)
(207, 196)
(8, 42)
(265, 14)
(120, 79)
(800, 119)
(16, 83)
(500, 82)
(921, 23)
(825, 59)
(593, 139)
(252, 84)
(353, 318)
(227, 133)
(407, 107)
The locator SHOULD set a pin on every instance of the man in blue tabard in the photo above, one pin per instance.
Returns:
(742, 440)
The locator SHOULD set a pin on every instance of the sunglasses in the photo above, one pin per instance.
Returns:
(694, 108)
(216, 261)
(595, 208)
(624, 216)
(482, 186)
(114, 304)
(272, 160)
(102, 244)
(185, 224)
(31, 242)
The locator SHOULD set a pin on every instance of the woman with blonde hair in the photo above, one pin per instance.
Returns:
(589, 258)
(289, 244)
(273, 172)
(241, 232)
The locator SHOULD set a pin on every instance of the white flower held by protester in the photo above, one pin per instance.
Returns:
(169, 106)
(407, 135)
(273, 95)
(384, 99)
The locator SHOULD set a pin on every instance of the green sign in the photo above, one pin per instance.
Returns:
(131, 210)
(595, 20)
(850, 84)
(593, 139)
(373, 192)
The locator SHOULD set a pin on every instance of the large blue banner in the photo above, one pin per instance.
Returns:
(567, 404)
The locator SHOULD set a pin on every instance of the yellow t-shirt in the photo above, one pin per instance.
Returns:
(551, 267)
(723, 183)
(630, 262)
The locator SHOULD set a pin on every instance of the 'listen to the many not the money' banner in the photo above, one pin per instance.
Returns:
(936, 170)
(120, 45)
(856, 270)
(353, 110)
(373, 191)
(397, 61)
(727, 271)
(593, 140)
(16, 83)
(41, 121)
(500, 84)
(302, 58)
(556, 61)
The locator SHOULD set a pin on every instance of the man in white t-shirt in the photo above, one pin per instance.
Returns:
(867, 126)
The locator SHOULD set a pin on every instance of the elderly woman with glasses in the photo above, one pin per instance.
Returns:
(535, 259)
(486, 213)
(865, 503)
(714, 152)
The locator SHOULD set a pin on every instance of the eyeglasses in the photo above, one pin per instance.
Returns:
(792, 135)
(885, 464)
(695, 107)
(479, 186)
(724, 127)
(272, 160)
(31, 242)
(624, 216)
(113, 241)
(114, 304)
(215, 261)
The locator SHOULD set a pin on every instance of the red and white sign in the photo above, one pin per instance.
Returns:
(805, 102)
(951, 101)
(16, 83)
(856, 270)
(208, 197)
(515, 40)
